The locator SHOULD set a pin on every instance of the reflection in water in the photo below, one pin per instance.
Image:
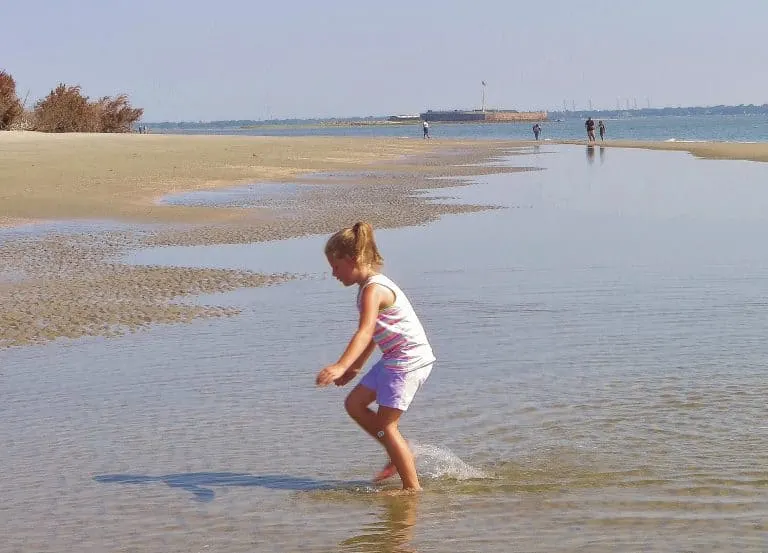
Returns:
(602, 155)
(393, 532)
(590, 154)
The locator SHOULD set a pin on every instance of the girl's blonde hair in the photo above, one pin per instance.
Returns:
(355, 242)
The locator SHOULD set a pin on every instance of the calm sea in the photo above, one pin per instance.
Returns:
(601, 386)
(736, 128)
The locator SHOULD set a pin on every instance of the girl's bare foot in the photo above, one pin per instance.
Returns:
(387, 472)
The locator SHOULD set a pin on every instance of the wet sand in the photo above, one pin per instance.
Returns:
(63, 283)
(68, 282)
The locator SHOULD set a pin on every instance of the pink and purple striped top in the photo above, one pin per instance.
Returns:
(398, 332)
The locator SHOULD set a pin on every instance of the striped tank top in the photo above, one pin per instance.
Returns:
(398, 332)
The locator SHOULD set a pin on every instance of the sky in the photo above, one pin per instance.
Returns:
(278, 59)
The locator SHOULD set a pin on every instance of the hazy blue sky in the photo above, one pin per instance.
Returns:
(251, 59)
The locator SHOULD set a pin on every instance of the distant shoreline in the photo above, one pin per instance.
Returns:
(372, 123)
(553, 115)
(378, 123)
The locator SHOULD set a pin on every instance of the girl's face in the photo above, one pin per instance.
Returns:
(345, 270)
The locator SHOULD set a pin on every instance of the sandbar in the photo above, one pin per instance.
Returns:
(747, 151)
(66, 284)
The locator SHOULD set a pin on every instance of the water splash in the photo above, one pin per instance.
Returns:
(438, 462)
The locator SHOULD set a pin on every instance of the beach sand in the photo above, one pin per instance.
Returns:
(64, 282)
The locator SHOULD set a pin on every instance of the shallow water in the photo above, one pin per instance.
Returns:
(600, 385)
(254, 195)
(68, 228)
(697, 128)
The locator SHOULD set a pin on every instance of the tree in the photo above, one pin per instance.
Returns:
(11, 109)
(65, 109)
(116, 114)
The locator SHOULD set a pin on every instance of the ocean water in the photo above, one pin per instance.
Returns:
(720, 128)
(600, 385)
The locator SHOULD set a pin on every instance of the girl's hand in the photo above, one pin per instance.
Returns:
(347, 376)
(329, 374)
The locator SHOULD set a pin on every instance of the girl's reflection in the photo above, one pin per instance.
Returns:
(393, 532)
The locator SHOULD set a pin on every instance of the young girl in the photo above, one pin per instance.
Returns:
(387, 320)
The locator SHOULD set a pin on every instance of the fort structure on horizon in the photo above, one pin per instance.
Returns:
(483, 116)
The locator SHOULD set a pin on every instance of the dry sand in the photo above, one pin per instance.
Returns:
(66, 284)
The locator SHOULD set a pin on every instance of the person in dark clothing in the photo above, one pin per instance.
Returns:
(601, 129)
(590, 125)
(536, 130)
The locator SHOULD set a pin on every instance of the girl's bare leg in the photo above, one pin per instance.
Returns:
(396, 446)
(383, 427)
(357, 403)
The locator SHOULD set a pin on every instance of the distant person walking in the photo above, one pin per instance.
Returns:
(601, 129)
(425, 125)
(590, 125)
(536, 131)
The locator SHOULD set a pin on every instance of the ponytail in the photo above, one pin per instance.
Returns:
(365, 246)
(357, 243)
